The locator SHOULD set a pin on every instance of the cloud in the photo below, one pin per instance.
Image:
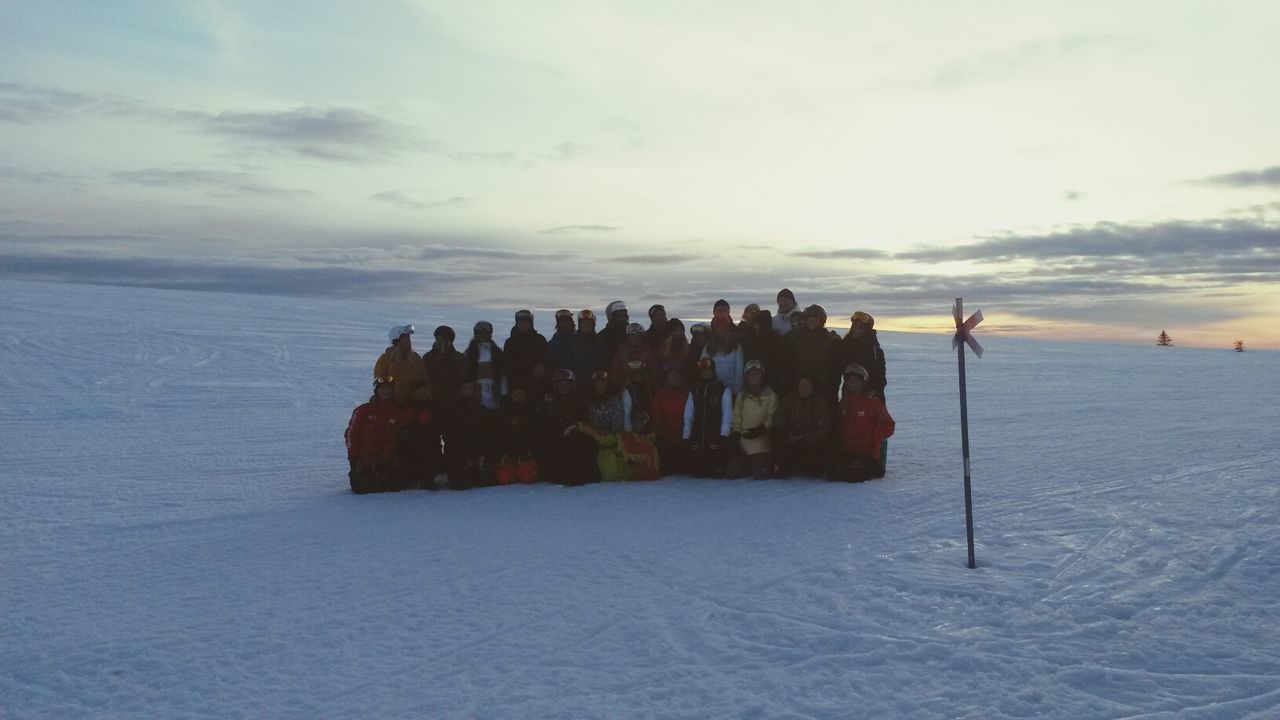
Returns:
(399, 199)
(567, 229)
(25, 104)
(849, 254)
(334, 133)
(668, 259)
(1267, 177)
(216, 183)
(1203, 239)
(448, 252)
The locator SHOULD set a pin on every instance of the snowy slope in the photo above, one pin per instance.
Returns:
(178, 541)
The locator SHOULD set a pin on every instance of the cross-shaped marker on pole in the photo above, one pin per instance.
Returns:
(964, 334)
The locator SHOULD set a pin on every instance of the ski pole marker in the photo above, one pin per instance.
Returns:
(964, 336)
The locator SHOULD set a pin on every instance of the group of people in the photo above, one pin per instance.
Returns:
(773, 395)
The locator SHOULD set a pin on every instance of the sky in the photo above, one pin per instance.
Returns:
(1089, 170)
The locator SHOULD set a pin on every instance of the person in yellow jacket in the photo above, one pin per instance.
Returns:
(753, 412)
(627, 455)
(402, 363)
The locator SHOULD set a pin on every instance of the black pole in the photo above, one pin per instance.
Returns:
(964, 435)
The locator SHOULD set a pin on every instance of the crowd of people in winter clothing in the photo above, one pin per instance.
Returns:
(773, 395)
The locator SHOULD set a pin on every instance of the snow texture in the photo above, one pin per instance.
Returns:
(179, 541)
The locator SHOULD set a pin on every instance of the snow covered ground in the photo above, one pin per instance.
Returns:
(178, 541)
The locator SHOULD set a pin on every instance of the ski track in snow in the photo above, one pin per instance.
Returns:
(179, 541)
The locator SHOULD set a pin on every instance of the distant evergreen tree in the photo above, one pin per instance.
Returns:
(1164, 340)
(1239, 346)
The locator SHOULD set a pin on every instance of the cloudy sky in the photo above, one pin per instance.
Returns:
(1084, 169)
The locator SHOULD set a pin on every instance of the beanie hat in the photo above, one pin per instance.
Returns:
(720, 303)
(856, 369)
(864, 319)
(482, 326)
(816, 311)
(785, 293)
(654, 308)
(446, 332)
(524, 314)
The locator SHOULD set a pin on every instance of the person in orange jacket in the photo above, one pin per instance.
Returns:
(373, 436)
(865, 423)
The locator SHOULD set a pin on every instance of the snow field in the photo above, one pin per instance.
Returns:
(178, 541)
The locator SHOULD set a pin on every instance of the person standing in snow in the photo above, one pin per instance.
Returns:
(753, 415)
(615, 331)
(635, 349)
(372, 439)
(473, 437)
(485, 366)
(861, 347)
(724, 350)
(699, 334)
(590, 352)
(813, 352)
(865, 425)
(560, 348)
(786, 305)
(400, 362)
(447, 369)
(523, 349)
(708, 420)
(659, 328)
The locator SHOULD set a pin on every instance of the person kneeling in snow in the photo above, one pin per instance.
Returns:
(865, 424)
(626, 455)
(372, 438)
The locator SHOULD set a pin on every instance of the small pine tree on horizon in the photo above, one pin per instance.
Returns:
(1164, 340)
(1239, 346)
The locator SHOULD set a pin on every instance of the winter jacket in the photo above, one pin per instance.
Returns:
(613, 336)
(708, 414)
(728, 367)
(625, 455)
(374, 430)
(519, 354)
(808, 417)
(560, 351)
(589, 355)
(864, 424)
(408, 371)
(668, 413)
(751, 410)
(865, 351)
(557, 413)
(814, 354)
(447, 370)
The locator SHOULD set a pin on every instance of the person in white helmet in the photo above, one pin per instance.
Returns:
(402, 363)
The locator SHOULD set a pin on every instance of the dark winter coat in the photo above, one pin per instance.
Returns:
(517, 429)
(520, 353)
(614, 335)
(814, 354)
(448, 370)
(560, 350)
(589, 355)
(619, 371)
(808, 417)
(865, 351)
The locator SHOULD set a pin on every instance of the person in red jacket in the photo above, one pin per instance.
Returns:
(865, 424)
(372, 438)
(668, 418)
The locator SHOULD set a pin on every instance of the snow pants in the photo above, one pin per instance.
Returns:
(375, 476)
(856, 467)
(569, 460)
(760, 466)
